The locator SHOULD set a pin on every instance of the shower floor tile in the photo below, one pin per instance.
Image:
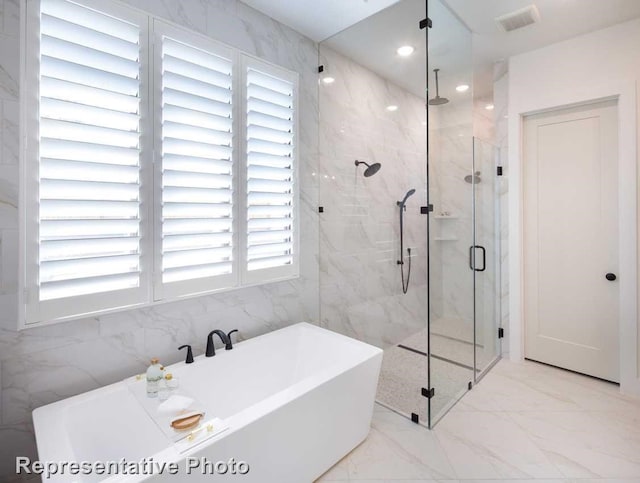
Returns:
(405, 366)
(404, 374)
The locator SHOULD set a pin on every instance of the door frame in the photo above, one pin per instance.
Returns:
(563, 97)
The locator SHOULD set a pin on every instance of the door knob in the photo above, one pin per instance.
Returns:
(610, 276)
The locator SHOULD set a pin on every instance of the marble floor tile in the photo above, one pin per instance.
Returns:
(403, 481)
(523, 423)
(540, 387)
(490, 445)
(396, 449)
(561, 480)
(586, 444)
(399, 455)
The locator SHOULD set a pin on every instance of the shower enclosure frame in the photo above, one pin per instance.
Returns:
(349, 298)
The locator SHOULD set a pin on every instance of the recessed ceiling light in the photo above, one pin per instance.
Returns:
(462, 88)
(489, 107)
(405, 51)
(328, 80)
(392, 108)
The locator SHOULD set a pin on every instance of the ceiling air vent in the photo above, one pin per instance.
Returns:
(519, 18)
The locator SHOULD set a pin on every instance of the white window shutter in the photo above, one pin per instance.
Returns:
(195, 146)
(271, 222)
(90, 252)
(158, 164)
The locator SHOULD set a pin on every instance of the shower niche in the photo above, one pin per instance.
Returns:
(420, 284)
(446, 229)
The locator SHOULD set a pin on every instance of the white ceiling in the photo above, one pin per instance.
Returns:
(374, 41)
(319, 19)
(559, 20)
(369, 31)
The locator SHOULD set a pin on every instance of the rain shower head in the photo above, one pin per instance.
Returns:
(437, 101)
(371, 168)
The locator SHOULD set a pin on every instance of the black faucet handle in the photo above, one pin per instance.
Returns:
(189, 353)
(229, 345)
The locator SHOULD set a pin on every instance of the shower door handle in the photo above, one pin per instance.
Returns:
(484, 259)
(472, 258)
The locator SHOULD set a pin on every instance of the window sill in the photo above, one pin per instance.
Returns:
(22, 325)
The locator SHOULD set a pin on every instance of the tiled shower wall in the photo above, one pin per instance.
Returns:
(360, 286)
(450, 157)
(462, 137)
(42, 365)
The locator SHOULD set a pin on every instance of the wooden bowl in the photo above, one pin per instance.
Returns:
(186, 423)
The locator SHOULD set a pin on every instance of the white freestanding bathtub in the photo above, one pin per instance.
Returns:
(295, 400)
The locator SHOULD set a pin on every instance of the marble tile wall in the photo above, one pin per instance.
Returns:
(360, 286)
(42, 365)
(461, 142)
(451, 156)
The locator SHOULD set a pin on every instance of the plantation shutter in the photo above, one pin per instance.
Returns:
(271, 247)
(90, 224)
(145, 185)
(196, 145)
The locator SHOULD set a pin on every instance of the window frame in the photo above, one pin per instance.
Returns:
(35, 313)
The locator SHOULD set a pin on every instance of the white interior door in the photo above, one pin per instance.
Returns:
(571, 239)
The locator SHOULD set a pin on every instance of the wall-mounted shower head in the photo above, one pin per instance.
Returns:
(371, 168)
(437, 101)
(404, 200)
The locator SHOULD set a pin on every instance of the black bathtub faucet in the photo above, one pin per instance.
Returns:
(211, 350)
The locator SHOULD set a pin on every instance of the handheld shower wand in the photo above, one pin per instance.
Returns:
(402, 205)
(404, 200)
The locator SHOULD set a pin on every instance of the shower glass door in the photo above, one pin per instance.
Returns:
(486, 254)
(451, 223)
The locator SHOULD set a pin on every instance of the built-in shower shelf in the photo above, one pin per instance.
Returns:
(446, 238)
(446, 217)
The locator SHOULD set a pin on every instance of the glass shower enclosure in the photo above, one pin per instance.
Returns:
(408, 213)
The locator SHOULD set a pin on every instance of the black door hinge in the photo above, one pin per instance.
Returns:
(499, 170)
(428, 393)
(320, 209)
(424, 210)
(414, 418)
(426, 22)
(500, 333)
(470, 385)
(320, 69)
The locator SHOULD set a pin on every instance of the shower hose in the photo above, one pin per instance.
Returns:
(405, 285)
